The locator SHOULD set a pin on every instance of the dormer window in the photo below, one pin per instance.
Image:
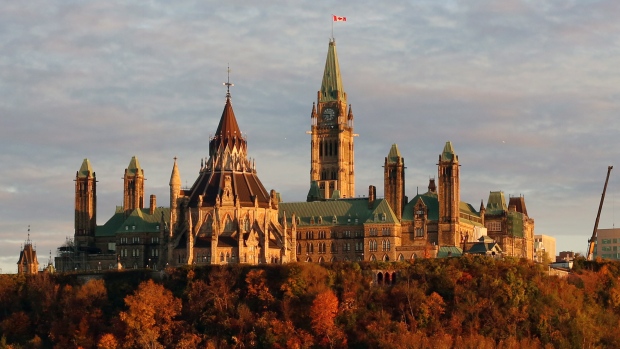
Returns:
(157, 227)
(133, 227)
(126, 227)
(335, 220)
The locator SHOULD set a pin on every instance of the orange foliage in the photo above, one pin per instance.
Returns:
(150, 318)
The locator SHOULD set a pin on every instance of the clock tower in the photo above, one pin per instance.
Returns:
(332, 152)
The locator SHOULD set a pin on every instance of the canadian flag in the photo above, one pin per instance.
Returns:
(339, 19)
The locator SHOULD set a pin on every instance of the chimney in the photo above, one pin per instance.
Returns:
(372, 193)
(153, 204)
(432, 187)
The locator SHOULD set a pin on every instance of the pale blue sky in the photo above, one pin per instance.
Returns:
(527, 91)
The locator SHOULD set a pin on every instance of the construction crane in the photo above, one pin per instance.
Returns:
(592, 240)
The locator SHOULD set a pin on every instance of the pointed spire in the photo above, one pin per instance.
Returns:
(134, 166)
(313, 114)
(394, 154)
(228, 133)
(175, 177)
(314, 194)
(350, 115)
(448, 152)
(86, 171)
(331, 87)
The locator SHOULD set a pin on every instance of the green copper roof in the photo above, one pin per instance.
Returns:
(85, 170)
(394, 154)
(430, 201)
(449, 251)
(332, 82)
(134, 166)
(468, 213)
(448, 152)
(141, 219)
(496, 203)
(484, 246)
(314, 193)
(344, 211)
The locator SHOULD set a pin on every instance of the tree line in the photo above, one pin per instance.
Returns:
(465, 302)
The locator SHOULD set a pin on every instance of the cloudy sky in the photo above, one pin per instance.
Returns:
(528, 92)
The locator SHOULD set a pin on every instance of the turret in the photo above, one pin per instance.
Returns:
(394, 180)
(449, 196)
(133, 196)
(85, 204)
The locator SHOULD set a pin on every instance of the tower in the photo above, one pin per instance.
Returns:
(85, 205)
(133, 194)
(175, 189)
(394, 181)
(332, 152)
(227, 215)
(449, 196)
(28, 262)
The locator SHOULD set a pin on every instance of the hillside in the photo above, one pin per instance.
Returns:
(468, 302)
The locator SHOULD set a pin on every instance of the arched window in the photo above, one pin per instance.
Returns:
(227, 257)
(229, 225)
(372, 246)
(246, 225)
(209, 224)
(298, 248)
(386, 245)
(221, 257)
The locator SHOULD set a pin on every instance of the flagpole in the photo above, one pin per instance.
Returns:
(332, 27)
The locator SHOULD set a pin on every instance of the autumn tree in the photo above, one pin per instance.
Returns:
(107, 341)
(322, 314)
(150, 319)
(257, 289)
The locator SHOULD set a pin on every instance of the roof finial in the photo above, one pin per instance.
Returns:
(228, 84)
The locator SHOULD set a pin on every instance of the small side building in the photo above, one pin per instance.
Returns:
(28, 262)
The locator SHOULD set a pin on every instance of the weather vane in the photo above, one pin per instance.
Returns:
(228, 84)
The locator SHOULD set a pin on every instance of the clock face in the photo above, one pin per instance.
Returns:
(329, 114)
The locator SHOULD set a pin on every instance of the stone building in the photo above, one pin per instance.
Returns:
(28, 262)
(544, 248)
(510, 225)
(131, 237)
(227, 215)
(331, 130)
